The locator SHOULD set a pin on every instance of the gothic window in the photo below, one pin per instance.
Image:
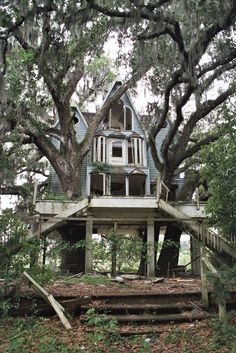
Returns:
(119, 117)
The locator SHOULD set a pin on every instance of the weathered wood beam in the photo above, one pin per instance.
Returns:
(48, 298)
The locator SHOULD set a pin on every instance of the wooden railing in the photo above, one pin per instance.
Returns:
(159, 187)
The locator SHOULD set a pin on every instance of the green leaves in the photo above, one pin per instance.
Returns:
(220, 172)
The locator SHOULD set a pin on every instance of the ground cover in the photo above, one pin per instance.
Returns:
(93, 285)
(102, 335)
(40, 335)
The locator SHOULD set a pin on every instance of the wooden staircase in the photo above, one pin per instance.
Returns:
(211, 239)
(52, 223)
(148, 308)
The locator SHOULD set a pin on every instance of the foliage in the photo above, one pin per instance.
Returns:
(220, 172)
(105, 329)
(101, 167)
(42, 274)
(12, 232)
(128, 250)
(34, 335)
(223, 282)
(90, 280)
(46, 340)
(223, 333)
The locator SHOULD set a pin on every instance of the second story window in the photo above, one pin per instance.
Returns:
(135, 151)
(117, 149)
(99, 149)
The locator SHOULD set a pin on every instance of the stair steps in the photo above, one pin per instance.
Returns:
(143, 308)
(54, 222)
(211, 239)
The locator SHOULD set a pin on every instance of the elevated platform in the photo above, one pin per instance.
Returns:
(127, 207)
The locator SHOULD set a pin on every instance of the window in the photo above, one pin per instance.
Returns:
(99, 149)
(119, 117)
(135, 151)
(117, 149)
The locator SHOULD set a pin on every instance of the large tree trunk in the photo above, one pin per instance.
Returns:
(169, 254)
(142, 270)
(73, 259)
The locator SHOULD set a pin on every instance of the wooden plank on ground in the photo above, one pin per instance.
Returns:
(50, 299)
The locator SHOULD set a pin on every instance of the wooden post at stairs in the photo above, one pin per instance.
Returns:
(150, 249)
(221, 306)
(203, 269)
(204, 278)
(195, 256)
(88, 245)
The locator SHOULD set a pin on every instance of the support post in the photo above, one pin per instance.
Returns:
(88, 245)
(195, 257)
(150, 249)
(35, 191)
(222, 312)
(158, 189)
(126, 185)
(203, 276)
(114, 251)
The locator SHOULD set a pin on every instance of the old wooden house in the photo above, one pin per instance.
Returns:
(120, 190)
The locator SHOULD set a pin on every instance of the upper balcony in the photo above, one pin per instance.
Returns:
(119, 148)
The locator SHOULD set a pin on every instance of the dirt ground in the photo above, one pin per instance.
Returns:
(171, 285)
(33, 335)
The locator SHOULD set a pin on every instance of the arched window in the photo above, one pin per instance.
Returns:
(119, 117)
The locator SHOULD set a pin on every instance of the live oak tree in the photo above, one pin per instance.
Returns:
(220, 170)
(188, 45)
(56, 40)
(193, 43)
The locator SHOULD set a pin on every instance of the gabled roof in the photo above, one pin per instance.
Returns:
(119, 82)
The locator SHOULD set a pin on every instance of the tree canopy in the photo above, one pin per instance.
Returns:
(184, 50)
(220, 171)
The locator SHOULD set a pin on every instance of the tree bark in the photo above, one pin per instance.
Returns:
(73, 259)
(142, 269)
(169, 255)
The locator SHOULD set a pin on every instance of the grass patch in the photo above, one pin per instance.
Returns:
(33, 335)
(90, 280)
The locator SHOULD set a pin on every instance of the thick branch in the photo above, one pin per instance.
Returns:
(172, 83)
(203, 110)
(179, 119)
(199, 46)
(221, 61)
(196, 148)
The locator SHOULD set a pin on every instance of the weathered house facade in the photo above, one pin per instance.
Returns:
(120, 150)
(119, 190)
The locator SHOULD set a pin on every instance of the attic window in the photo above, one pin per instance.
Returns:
(119, 117)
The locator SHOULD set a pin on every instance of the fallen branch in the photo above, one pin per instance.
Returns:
(50, 299)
